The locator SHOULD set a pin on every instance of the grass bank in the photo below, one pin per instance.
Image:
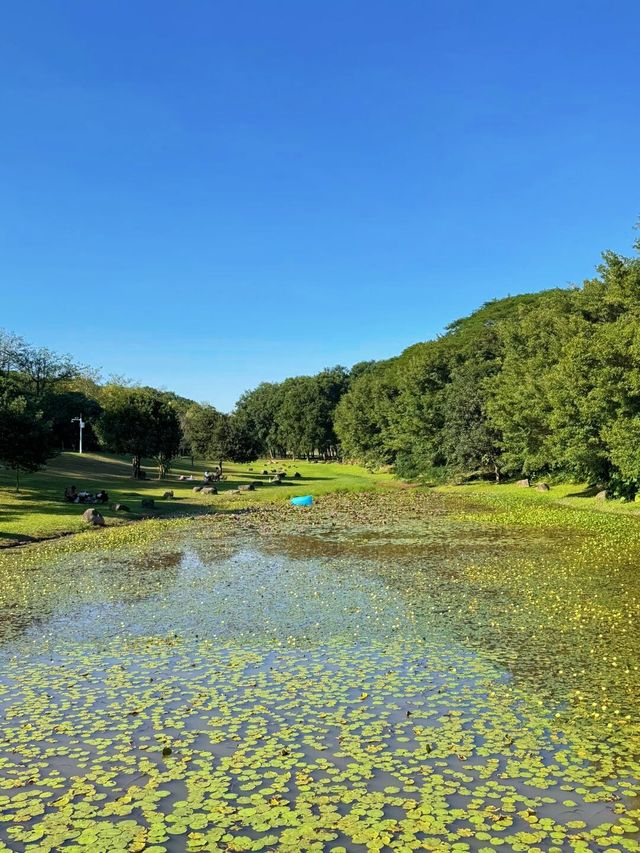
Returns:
(39, 511)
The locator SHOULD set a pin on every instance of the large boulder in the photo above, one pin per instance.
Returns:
(209, 490)
(542, 487)
(248, 488)
(523, 484)
(92, 516)
(602, 496)
(147, 503)
(197, 489)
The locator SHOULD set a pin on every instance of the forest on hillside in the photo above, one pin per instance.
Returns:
(541, 384)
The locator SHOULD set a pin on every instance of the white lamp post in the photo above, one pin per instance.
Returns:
(81, 424)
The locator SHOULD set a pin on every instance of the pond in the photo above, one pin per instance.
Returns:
(407, 672)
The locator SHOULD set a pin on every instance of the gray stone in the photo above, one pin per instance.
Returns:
(248, 488)
(542, 487)
(209, 490)
(197, 489)
(92, 516)
(147, 503)
(602, 496)
(523, 484)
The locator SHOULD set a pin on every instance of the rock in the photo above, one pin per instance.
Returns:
(168, 495)
(209, 490)
(602, 496)
(147, 503)
(197, 489)
(92, 516)
(121, 508)
(542, 487)
(248, 488)
(297, 476)
(523, 484)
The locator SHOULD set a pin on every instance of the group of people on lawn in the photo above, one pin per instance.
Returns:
(209, 476)
(72, 495)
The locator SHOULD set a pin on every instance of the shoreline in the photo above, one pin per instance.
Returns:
(494, 498)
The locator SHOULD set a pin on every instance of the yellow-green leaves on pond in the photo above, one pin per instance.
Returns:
(391, 672)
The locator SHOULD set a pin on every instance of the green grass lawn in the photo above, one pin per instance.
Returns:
(39, 510)
(574, 495)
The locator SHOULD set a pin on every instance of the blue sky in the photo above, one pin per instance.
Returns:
(201, 195)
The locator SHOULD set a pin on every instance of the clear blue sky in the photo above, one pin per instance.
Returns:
(205, 195)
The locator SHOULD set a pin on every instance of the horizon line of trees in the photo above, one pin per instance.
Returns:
(541, 384)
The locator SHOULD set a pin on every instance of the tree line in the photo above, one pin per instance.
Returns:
(541, 384)
(43, 394)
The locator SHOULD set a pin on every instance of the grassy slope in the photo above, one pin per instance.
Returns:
(575, 496)
(39, 510)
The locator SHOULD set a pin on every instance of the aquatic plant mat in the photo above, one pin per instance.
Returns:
(402, 671)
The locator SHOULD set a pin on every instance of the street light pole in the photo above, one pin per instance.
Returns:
(81, 424)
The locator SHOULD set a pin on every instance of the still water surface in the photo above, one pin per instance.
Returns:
(445, 682)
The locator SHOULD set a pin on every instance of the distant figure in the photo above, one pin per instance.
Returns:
(102, 497)
(71, 495)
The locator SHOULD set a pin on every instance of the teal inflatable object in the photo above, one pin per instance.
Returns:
(305, 500)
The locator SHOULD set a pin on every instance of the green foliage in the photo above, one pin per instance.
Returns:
(25, 436)
(294, 417)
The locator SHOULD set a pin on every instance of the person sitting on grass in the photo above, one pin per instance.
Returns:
(71, 495)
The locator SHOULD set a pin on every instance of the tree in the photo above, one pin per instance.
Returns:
(198, 424)
(25, 435)
(43, 369)
(139, 422)
(469, 441)
(362, 417)
(12, 350)
(257, 410)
